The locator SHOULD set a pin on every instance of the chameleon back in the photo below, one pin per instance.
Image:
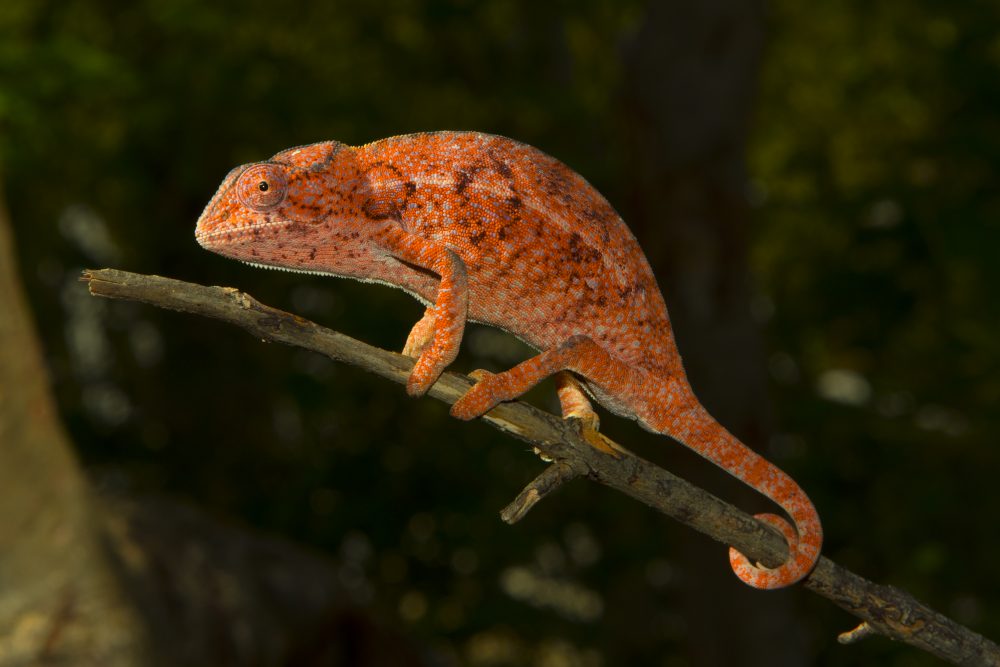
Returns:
(548, 256)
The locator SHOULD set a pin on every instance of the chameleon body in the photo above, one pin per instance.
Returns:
(488, 229)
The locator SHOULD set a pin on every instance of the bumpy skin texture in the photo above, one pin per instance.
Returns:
(486, 228)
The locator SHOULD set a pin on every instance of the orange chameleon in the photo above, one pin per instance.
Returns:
(484, 228)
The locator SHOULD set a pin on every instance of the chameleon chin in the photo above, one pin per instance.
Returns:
(484, 228)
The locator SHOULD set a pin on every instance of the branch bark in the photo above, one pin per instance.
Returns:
(886, 610)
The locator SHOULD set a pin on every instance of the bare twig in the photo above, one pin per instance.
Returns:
(554, 476)
(885, 610)
(857, 634)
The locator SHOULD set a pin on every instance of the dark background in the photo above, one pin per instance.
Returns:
(815, 185)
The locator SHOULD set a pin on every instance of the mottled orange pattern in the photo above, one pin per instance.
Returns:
(483, 227)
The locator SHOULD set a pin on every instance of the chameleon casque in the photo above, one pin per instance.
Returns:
(483, 228)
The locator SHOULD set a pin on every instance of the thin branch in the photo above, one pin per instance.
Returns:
(856, 634)
(554, 476)
(886, 610)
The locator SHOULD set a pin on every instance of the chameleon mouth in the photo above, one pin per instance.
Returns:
(224, 236)
(274, 267)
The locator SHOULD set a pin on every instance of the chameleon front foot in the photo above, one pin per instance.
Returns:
(425, 373)
(421, 335)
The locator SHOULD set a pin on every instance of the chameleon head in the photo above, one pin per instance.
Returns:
(270, 212)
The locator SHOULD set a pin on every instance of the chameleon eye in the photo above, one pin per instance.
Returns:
(262, 186)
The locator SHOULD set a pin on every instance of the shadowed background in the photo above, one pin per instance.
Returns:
(815, 187)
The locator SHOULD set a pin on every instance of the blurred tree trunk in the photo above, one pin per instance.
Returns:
(59, 599)
(691, 75)
(105, 580)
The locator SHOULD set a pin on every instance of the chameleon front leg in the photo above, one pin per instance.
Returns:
(435, 339)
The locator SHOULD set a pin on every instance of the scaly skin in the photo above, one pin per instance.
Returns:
(486, 228)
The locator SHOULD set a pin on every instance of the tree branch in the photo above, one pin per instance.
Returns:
(886, 610)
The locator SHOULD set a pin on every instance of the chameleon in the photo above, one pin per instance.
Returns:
(484, 228)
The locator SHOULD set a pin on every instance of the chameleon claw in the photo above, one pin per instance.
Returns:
(421, 335)
(588, 424)
(424, 374)
(417, 387)
(482, 397)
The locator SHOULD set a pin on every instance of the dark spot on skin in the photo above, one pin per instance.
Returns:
(411, 187)
(627, 291)
(477, 237)
(580, 252)
(312, 254)
(600, 219)
(462, 179)
(502, 167)
(377, 210)
(385, 165)
(515, 256)
(503, 232)
(515, 202)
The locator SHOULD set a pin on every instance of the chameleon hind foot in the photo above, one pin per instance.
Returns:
(576, 405)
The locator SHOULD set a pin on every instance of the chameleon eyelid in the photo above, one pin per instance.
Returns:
(262, 186)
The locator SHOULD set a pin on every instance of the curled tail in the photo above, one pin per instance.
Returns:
(804, 540)
(698, 430)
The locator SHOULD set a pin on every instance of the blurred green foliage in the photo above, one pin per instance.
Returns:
(877, 220)
(875, 166)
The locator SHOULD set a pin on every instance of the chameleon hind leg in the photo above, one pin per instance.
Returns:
(579, 354)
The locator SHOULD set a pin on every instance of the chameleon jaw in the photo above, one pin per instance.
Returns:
(232, 235)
